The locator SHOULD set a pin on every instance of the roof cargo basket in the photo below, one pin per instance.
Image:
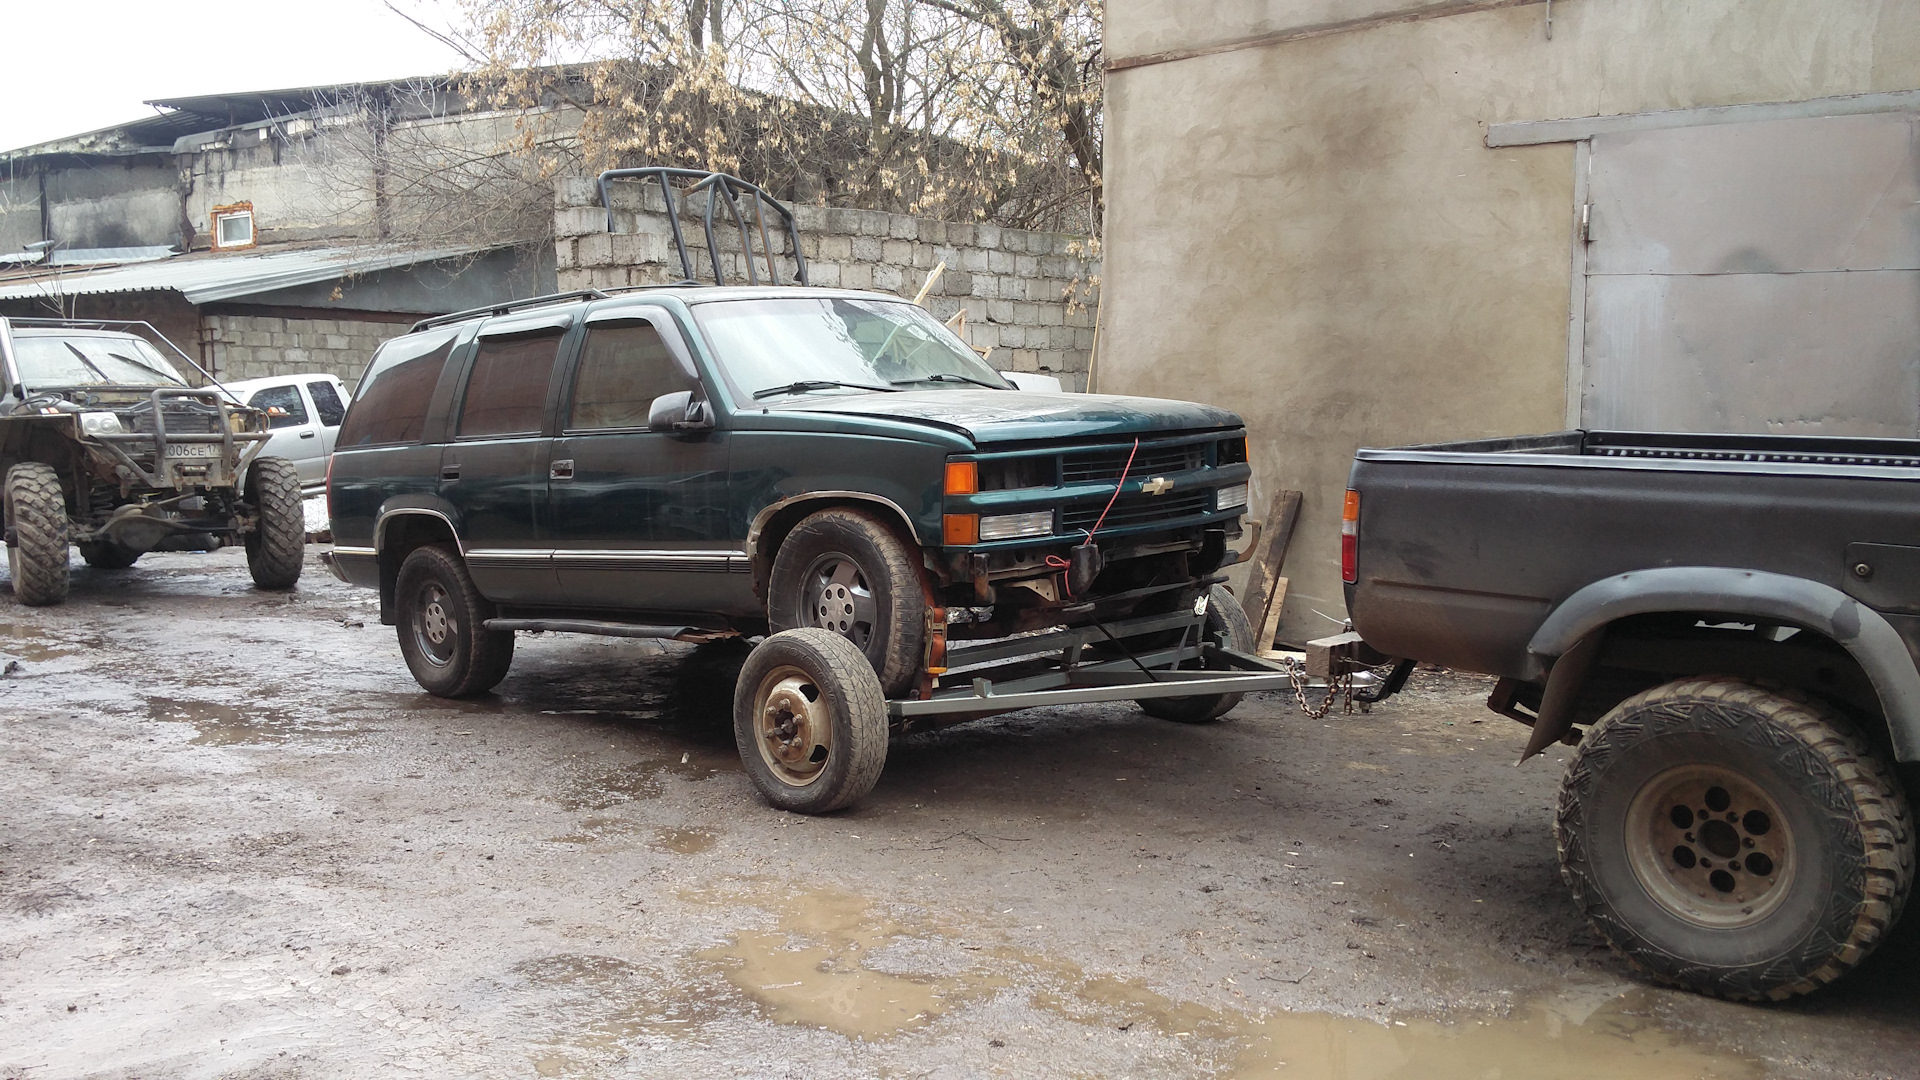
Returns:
(746, 205)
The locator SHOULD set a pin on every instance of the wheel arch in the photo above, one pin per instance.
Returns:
(772, 524)
(1862, 632)
(396, 533)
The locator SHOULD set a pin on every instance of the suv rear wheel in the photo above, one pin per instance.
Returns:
(36, 513)
(439, 615)
(847, 572)
(1734, 840)
(277, 546)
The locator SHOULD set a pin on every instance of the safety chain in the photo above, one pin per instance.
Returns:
(1340, 687)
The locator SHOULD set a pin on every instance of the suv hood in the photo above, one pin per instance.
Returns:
(997, 416)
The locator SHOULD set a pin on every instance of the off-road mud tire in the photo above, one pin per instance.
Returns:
(277, 545)
(1850, 824)
(107, 555)
(36, 511)
(888, 564)
(844, 697)
(470, 660)
(1224, 614)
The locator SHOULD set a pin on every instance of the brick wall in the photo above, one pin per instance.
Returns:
(256, 346)
(1029, 296)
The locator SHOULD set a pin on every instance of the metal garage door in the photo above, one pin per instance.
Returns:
(1755, 277)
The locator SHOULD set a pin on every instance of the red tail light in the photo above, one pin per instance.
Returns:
(1350, 537)
(329, 490)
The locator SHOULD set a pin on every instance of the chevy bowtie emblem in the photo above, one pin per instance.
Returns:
(1159, 485)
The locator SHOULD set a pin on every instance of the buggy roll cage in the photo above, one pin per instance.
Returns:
(719, 187)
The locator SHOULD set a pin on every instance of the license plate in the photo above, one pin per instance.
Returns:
(193, 450)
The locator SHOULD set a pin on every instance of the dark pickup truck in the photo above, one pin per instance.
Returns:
(1726, 626)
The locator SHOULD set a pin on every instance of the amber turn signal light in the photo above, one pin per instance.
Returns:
(960, 528)
(963, 477)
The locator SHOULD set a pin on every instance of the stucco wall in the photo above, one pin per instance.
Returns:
(1313, 232)
(1029, 296)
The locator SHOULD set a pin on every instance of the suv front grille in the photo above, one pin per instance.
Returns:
(1150, 461)
(1137, 510)
(182, 419)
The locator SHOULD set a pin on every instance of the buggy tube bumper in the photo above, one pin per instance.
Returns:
(1113, 680)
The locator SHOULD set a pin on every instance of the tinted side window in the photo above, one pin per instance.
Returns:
(623, 367)
(282, 404)
(507, 389)
(391, 403)
(326, 402)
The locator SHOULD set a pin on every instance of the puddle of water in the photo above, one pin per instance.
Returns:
(685, 841)
(810, 971)
(643, 779)
(639, 1007)
(27, 643)
(827, 965)
(592, 830)
(224, 725)
(1566, 1041)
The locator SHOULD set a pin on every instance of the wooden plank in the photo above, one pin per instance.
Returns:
(1272, 624)
(1265, 572)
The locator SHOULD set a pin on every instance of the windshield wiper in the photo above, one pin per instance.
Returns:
(805, 385)
(83, 359)
(144, 366)
(948, 376)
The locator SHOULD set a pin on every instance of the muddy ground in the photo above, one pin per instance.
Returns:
(236, 840)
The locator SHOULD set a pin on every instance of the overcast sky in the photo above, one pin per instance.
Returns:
(76, 65)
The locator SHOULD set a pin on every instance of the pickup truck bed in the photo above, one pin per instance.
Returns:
(1760, 592)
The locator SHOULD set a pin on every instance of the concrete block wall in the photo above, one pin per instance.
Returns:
(1030, 297)
(256, 346)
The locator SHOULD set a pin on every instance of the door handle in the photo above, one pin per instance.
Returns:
(561, 470)
(308, 434)
(449, 472)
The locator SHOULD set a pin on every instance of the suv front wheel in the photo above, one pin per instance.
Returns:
(845, 571)
(36, 512)
(440, 615)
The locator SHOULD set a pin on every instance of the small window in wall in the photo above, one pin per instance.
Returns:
(233, 226)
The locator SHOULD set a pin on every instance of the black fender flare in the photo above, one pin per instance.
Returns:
(1864, 633)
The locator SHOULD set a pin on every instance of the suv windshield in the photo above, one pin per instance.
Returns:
(85, 360)
(767, 347)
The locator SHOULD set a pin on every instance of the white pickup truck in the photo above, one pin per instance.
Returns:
(305, 412)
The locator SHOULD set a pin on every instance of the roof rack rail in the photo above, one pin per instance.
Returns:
(432, 321)
(719, 187)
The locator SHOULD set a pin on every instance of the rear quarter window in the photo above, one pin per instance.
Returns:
(390, 404)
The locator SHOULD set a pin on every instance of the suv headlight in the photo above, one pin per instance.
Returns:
(1227, 498)
(1012, 526)
(100, 423)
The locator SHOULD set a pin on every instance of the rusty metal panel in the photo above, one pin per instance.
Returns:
(1825, 353)
(1760, 277)
(1826, 193)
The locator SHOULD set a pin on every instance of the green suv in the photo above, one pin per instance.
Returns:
(705, 461)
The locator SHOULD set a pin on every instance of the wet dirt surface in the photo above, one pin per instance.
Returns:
(237, 840)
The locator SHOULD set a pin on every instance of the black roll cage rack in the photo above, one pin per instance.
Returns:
(717, 185)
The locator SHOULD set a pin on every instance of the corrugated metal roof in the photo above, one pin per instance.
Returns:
(206, 277)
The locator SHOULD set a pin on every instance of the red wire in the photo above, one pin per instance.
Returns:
(1116, 491)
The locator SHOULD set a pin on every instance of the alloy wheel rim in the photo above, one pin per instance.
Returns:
(1710, 846)
(838, 597)
(792, 726)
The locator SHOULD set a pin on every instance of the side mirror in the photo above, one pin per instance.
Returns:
(679, 412)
